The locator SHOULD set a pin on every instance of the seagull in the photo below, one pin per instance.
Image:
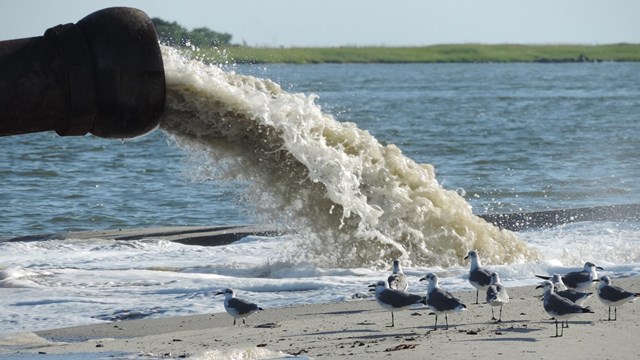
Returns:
(579, 280)
(614, 296)
(441, 301)
(560, 288)
(558, 307)
(237, 308)
(394, 299)
(496, 295)
(398, 280)
(479, 277)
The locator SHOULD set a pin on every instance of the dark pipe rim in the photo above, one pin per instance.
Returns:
(128, 72)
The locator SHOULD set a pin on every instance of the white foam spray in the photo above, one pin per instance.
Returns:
(353, 201)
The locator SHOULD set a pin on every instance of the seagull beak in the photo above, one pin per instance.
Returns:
(423, 279)
(466, 257)
(539, 286)
(599, 268)
(219, 293)
(596, 280)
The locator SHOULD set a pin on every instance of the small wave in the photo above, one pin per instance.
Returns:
(21, 278)
(122, 315)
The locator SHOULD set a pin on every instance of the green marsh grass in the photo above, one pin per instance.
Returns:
(463, 53)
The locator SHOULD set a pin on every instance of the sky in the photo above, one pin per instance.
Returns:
(326, 23)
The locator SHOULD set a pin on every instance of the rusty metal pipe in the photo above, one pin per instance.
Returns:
(103, 75)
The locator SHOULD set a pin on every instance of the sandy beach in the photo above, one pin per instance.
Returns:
(357, 329)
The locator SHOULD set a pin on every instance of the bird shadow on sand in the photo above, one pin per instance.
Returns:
(473, 328)
(342, 312)
(500, 339)
(519, 330)
(508, 333)
(362, 334)
(497, 323)
(581, 322)
(571, 322)
(479, 322)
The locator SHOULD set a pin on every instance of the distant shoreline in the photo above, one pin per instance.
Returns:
(456, 53)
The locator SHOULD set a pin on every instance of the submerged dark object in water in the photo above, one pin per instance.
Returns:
(223, 235)
(551, 218)
(103, 75)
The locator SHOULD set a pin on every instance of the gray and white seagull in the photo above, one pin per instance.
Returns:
(614, 296)
(579, 280)
(577, 297)
(496, 295)
(397, 279)
(558, 307)
(394, 299)
(237, 308)
(441, 301)
(479, 277)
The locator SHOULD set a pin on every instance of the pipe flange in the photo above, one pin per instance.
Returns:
(81, 94)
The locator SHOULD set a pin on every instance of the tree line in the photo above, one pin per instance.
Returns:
(176, 35)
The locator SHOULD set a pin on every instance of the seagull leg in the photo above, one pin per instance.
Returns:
(435, 325)
(244, 322)
(234, 321)
(500, 317)
(615, 313)
(477, 291)
(446, 320)
(609, 314)
(493, 317)
(392, 320)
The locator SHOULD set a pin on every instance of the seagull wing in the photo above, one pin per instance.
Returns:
(573, 295)
(614, 293)
(440, 300)
(399, 299)
(572, 279)
(481, 275)
(243, 307)
(559, 306)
